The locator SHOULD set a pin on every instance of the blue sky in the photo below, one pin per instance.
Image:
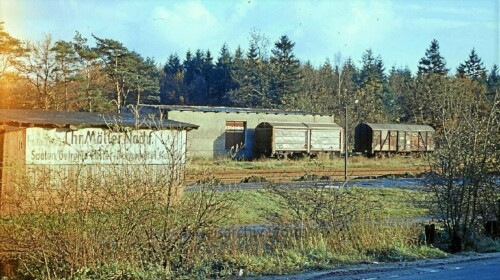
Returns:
(398, 31)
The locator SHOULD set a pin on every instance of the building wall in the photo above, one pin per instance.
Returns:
(208, 141)
(12, 159)
(47, 160)
(62, 154)
(63, 146)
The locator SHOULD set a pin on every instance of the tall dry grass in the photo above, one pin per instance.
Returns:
(131, 223)
(125, 224)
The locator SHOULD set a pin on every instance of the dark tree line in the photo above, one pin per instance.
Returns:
(76, 76)
(270, 76)
(276, 79)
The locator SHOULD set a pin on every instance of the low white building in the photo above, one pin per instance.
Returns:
(45, 148)
(225, 131)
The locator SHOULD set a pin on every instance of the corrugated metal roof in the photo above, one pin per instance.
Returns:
(84, 119)
(226, 110)
(301, 125)
(400, 127)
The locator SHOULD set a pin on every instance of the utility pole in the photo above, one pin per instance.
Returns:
(346, 152)
(345, 141)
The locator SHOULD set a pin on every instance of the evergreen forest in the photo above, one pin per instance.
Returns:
(105, 75)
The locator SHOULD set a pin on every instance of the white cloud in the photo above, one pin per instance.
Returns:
(241, 10)
(444, 9)
(186, 24)
(439, 23)
(371, 21)
(443, 15)
(345, 27)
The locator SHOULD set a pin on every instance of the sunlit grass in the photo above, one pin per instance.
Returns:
(299, 164)
(393, 204)
(397, 203)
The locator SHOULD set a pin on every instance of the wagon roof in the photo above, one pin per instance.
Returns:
(222, 109)
(301, 125)
(400, 127)
(76, 120)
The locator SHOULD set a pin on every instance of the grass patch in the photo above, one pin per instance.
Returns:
(403, 252)
(199, 164)
(279, 252)
(396, 203)
(251, 206)
(391, 204)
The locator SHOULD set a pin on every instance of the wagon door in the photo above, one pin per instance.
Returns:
(325, 140)
(263, 140)
(402, 147)
(290, 140)
(414, 141)
(430, 141)
(385, 137)
(393, 140)
(376, 143)
(422, 141)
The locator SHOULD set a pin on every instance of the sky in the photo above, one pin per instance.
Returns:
(399, 31)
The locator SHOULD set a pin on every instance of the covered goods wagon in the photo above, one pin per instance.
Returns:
(283, 138)
(372, 139)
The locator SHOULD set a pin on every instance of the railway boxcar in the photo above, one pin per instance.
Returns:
(372, 139)
(282, 139)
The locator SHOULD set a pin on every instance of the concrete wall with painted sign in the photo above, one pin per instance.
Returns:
(46, 146)
(47, 158)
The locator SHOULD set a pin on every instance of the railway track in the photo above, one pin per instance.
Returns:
(282, 175)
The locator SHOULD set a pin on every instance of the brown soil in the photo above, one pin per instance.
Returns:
(282, 175)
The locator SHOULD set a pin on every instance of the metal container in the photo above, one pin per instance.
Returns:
(279, 139)
(371, 139)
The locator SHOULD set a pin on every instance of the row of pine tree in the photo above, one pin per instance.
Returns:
(76, 76)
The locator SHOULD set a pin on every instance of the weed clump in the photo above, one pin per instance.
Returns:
(254, 179)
